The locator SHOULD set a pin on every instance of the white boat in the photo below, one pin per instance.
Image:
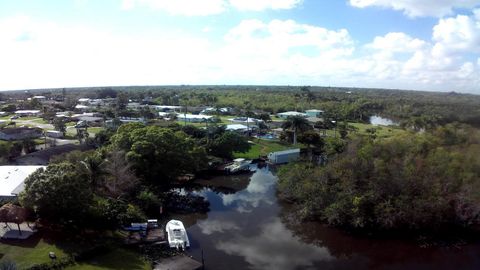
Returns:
(177, 235)
(239, 164)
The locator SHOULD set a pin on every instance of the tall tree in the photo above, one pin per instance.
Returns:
(58, 193)
(121, 177)
(296, 124)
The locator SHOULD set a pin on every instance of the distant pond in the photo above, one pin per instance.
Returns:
(381, 121)
(248, 228)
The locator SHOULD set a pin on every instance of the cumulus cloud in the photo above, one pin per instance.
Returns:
(442, 61)
(209, 227)
(252, 52)
(416, 8)
(458, 34)
(275, 247)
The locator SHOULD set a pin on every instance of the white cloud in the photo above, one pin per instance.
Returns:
(180, 7)
(418, 8)
(38, 54)
(259, 5)
(275, 247)
(209, 7)
(458, 34)
(209, 227)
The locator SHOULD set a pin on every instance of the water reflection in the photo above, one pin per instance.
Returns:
(274, 247)
(381, 121)
(250, 229)
(209, 227)
(260, 190)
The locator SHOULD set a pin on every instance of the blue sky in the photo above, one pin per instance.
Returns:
(406, 44)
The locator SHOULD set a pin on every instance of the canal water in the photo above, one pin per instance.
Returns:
(381, 121)
(248, 228)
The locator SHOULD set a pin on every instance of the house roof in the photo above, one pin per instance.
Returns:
(236, 127)
(291, 113)
(27, 112)
(244, 120)
(42, 157)
(19, 130)
(193, 116)
(12, 178)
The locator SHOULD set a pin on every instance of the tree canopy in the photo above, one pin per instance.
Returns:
(58, 193)
(413, 181)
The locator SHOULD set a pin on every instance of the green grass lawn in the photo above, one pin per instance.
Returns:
(39, 120)
(263, 147)
(118, 259)
(94, 130)
(382, 131)
(26, 253)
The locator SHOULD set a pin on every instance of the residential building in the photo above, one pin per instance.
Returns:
(20, 133)
(12, 179)
(285, 115)
(193, 118)
(314, 113)
(27, 113)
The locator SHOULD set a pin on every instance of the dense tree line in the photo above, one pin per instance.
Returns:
(417, 181)
(127, 178)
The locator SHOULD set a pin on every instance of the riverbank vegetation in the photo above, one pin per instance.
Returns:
(414, 181)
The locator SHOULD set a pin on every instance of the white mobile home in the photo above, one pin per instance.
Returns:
(285, 115)
(284, 156)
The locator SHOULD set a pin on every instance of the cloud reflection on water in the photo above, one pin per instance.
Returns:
(275, 247)
(261, 183)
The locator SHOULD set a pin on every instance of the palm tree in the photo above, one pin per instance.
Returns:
(94, 168)
(296, 123)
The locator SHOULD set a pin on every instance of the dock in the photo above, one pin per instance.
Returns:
(179, 262)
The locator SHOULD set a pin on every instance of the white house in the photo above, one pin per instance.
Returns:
(314, 113)
(54, 134)
(237, 128)
(285, 115)
(27, 112)
(20, 133)
(167, 108)
(193, 118)
(244, 120)
(84, 101)
(12, 179)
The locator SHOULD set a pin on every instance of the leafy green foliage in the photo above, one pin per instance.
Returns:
(58, 193)
(414, 181)
(227, 143)
(158, 154)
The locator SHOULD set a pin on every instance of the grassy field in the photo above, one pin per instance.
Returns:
(118, 259)
(262, 148)
(381, 131)
(26, 253)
